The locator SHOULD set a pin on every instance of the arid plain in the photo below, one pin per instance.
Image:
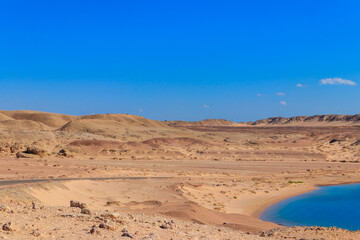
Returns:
(146, 179)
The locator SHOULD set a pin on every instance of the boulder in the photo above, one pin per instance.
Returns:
(77, 204)
(7, 227)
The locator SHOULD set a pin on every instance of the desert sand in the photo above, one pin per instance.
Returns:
(172, 180)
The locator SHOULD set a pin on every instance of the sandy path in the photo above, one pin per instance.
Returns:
(49, 180)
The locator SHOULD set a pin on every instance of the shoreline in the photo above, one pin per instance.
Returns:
(256, 212)
(253, 210)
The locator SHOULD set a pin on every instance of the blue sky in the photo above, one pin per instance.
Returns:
(181, 60)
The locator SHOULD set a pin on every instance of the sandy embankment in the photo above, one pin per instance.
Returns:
(156, 196)
(196, 191)
(211, 192)
(140, 196)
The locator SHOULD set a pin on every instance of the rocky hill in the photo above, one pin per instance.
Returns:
(317, 120)
(27, 134)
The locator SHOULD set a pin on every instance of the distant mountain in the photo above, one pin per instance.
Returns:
(332, 119)
(203, 123)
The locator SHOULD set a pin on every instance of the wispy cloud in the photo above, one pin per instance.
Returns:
(280, 94)
(301, 85)
(141, 110)
(337, 81)
(259, 94)
(283, 103)
(206, 106)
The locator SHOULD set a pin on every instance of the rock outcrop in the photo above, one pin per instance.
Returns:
(310, 120)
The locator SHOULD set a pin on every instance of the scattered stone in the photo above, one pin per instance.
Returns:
(109, 225)
(85, 211)
(112, 215)
(36, 233)
(77, 204)
(4, 208)
(356, 143)
(126, 233)
(21, 155)
(34, 151)
(94, 231)
(7, 227)
(14, 148)
(167, 225)
(152, 236)
(63, 153)
(74, 216)
(334, 140)
(114, 203)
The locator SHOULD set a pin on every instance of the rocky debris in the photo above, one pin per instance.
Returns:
(21, 155)
(29, 152)
(126, 233)
(7, 227)
(14, 148)
(167, 225)
(334, 140)
(302, 233)
(108, 225)
(94, 230)
(77, 204)
(74, 215)
(85, 211)
(4, 208)
(114, 203)
(112, 215)
(63, 153)
(152, 236)
(140, 226)
(356, 143)
(36, 233)
(35, 151)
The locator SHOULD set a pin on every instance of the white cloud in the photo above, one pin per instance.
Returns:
(280, 94)
(301, 85)
(259, 95)
(206, 106)
(337, 81)
(283, 103)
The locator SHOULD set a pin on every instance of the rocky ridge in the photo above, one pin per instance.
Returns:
(331, 119)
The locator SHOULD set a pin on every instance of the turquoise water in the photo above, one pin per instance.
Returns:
(337, 206)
